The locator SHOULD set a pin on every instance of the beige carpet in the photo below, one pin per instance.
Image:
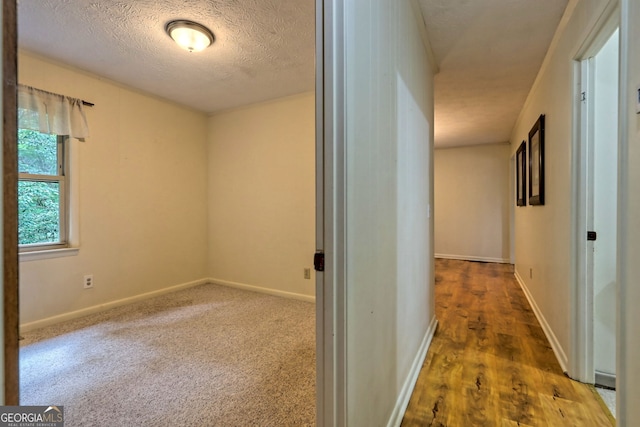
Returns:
(609, 399)
(206, 356)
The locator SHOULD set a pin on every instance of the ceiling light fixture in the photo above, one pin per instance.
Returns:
(189, 35)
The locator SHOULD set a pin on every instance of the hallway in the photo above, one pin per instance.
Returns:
(490, 363)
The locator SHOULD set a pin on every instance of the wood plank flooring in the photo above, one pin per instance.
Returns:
(490, 363)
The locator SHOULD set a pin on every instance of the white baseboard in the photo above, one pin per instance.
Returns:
(606, 379)
(553, 340)
(278, 293)
(102, 307)
(407, 388)
(474, 258)
(26, 327)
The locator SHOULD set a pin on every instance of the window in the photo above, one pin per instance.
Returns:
(42, 191)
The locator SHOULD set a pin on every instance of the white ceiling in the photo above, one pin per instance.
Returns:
(488, 52)
(264, 49)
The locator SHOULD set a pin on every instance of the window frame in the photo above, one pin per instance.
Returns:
(62, 178)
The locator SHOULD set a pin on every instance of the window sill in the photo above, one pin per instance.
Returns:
(47, 254)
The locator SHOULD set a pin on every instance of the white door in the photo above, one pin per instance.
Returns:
(330, 291)
(604, 188)
(320, 346)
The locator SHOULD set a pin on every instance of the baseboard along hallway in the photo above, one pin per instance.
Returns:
(490, 363)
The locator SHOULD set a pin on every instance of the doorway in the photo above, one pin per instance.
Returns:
(594, 358)
(310, 254)
(603, 191)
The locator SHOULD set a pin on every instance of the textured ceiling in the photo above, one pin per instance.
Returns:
(264, 49)
(489, 53)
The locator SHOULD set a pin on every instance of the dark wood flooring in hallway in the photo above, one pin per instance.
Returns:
(490, 363)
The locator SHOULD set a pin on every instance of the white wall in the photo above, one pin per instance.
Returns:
(543, 233)
(262, 196)
(604, 207)
(389, 243)
(142, 194)
(628, 386)
(471, 202)
(167, 196)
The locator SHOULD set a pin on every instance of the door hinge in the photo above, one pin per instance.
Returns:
(592, 235)
(583, 96)
(318, 261)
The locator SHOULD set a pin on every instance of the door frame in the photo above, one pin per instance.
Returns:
(9, 202)
(331, 385)
(581, 363)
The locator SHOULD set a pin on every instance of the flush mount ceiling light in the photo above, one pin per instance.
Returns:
(189, 35)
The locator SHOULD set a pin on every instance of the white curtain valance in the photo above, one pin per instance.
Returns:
(51, 113)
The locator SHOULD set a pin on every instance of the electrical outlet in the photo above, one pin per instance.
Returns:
(307, 273)
(88, 281)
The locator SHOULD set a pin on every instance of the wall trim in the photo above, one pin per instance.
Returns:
(474, 258)
(300, 95)
(422, 28)
(473, 145)
(553, 340)
(48, 254)
(103, 307)
(26, 327)
(262, 290)
(605, 379)
(627, 350)
(551, 51)
(407, 388)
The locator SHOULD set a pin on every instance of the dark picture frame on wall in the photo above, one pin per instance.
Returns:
(521, 175)
(536, 163)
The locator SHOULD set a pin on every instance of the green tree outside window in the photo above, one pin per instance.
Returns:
(39, 188)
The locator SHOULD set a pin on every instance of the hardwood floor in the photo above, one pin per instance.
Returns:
(490, 363)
